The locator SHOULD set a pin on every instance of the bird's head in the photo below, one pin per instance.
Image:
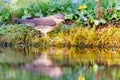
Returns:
(59, 18)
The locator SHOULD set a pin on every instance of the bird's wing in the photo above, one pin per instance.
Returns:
(39, 22)
(29, 22)
(45, 21)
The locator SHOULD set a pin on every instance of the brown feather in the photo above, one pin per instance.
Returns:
(38, 22)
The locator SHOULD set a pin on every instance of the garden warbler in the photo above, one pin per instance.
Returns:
(44, 24)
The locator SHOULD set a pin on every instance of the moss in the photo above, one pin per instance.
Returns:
(82, 36)
(16, 34)
(74, 36)
(110, 36)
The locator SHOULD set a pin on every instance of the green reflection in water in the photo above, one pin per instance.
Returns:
(59, 63)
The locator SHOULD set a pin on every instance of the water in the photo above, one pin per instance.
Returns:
(59, 63)
(9, 1)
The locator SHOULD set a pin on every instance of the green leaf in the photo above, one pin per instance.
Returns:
(103, 21)
(0, 18)
(25, 11)
(69, 16)
(83, 17)
(114, 16)
(96, 22)
(38, 15)
(26, 16)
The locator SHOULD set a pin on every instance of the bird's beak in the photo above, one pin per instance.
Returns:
(63, 20)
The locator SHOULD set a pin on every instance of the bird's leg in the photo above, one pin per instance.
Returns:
(39, 34)
(46, 35)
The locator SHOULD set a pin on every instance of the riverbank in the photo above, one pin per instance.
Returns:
(63, 36)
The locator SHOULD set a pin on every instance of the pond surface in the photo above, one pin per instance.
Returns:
(59, 63)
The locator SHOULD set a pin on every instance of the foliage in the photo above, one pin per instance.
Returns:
(15, 34)
(5, 15)
(84, 12)
(82, 36)
(20, 34)
(76, 36)
(71, 10)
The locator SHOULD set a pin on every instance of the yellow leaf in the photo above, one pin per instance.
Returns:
(82, 7)
(81, 78)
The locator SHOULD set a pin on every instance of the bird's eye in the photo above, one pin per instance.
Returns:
(58, 17)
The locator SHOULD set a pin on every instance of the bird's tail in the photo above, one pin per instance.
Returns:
(16, 20)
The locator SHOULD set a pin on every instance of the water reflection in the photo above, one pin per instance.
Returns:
(60, 63)
(44, 65)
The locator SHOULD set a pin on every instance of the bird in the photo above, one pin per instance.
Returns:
(45, 66)
(43, 24)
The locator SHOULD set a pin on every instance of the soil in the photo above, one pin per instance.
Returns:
(116, 23)
(69, 22)
(101, 27)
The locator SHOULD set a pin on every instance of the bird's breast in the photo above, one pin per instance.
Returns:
(45, 29)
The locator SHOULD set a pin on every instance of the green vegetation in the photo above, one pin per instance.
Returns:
(75, 36)
(74, 11)
(85, 13)
(89, 23)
